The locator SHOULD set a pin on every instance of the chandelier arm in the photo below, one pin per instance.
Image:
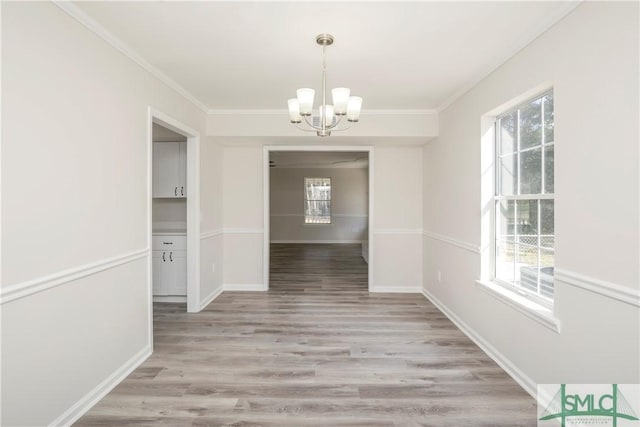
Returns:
(338, 119)
(338, 130)
(303, 129)
(348, 127)
(306, 120)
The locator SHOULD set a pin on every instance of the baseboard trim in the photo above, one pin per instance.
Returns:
(321, 242)
(611, 290)
(520, 377)
(170, 298)
(83, 405)
(249, 287)
(396, 289)
(455, 242)
(213, 295)
(30, 287)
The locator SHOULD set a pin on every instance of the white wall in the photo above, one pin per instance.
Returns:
(242, 216)
(591, 60)
(211, 243)
(349, 205)
(397, 217)
(74, 211)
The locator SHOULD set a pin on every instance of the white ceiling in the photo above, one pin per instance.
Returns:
(319, 159)
(254, 55)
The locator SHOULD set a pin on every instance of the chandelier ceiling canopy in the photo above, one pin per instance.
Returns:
(329, 116)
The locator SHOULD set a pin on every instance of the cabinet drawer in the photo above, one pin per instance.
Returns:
(169, 243)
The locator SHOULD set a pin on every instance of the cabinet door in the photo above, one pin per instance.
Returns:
(166, 169)
(182, 190)
(178, 274)
(160, 263)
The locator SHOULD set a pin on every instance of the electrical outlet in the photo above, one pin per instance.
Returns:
(439, 276)
(213, 268)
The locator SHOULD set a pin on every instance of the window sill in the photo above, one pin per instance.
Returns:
(529, 308)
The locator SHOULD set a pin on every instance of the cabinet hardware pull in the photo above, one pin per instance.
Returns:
(167, 243)
(170, 256)
(163, 260)
(175, 191)
(182, 191)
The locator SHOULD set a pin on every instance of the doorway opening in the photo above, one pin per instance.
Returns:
(318, 206)
(173, 214)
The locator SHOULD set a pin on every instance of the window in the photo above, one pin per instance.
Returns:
(317, 200)
(524, 199)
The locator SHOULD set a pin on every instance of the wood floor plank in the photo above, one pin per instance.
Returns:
(317, 349)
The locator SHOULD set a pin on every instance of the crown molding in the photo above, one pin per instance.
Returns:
(283, 111)
(518, 46)
(75, 12)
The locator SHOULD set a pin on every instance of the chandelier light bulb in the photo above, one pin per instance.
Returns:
(330, 115)
(305, 100)
(353, 108)
(294, 111)
(340, 99)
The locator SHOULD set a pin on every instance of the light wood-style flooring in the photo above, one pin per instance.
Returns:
(315, 350)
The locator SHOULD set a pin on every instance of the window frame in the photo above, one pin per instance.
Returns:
(497, 198)
(305, 200)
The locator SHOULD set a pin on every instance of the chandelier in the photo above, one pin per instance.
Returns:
(329, 116)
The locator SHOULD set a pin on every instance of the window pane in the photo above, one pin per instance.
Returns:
(317, 194)
(546, 273)
(527, 222)
(508, 175)
(547, 239)
(527, 218)
(548, 118)
(318, 212)
(505, 219)
(531, 171)
(318, 188)
(505, 261)
(508, 134)
(531, 124)
(527, 267)
(548, 169)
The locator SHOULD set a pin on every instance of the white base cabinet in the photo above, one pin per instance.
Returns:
(169, 265)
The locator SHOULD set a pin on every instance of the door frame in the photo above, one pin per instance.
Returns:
(193, 205)
(266, 193)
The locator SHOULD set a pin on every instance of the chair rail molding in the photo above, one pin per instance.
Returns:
(621, 293)
(39, 284)
(243, 231)
(452, 241)
(210, 234)
(397, 231)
